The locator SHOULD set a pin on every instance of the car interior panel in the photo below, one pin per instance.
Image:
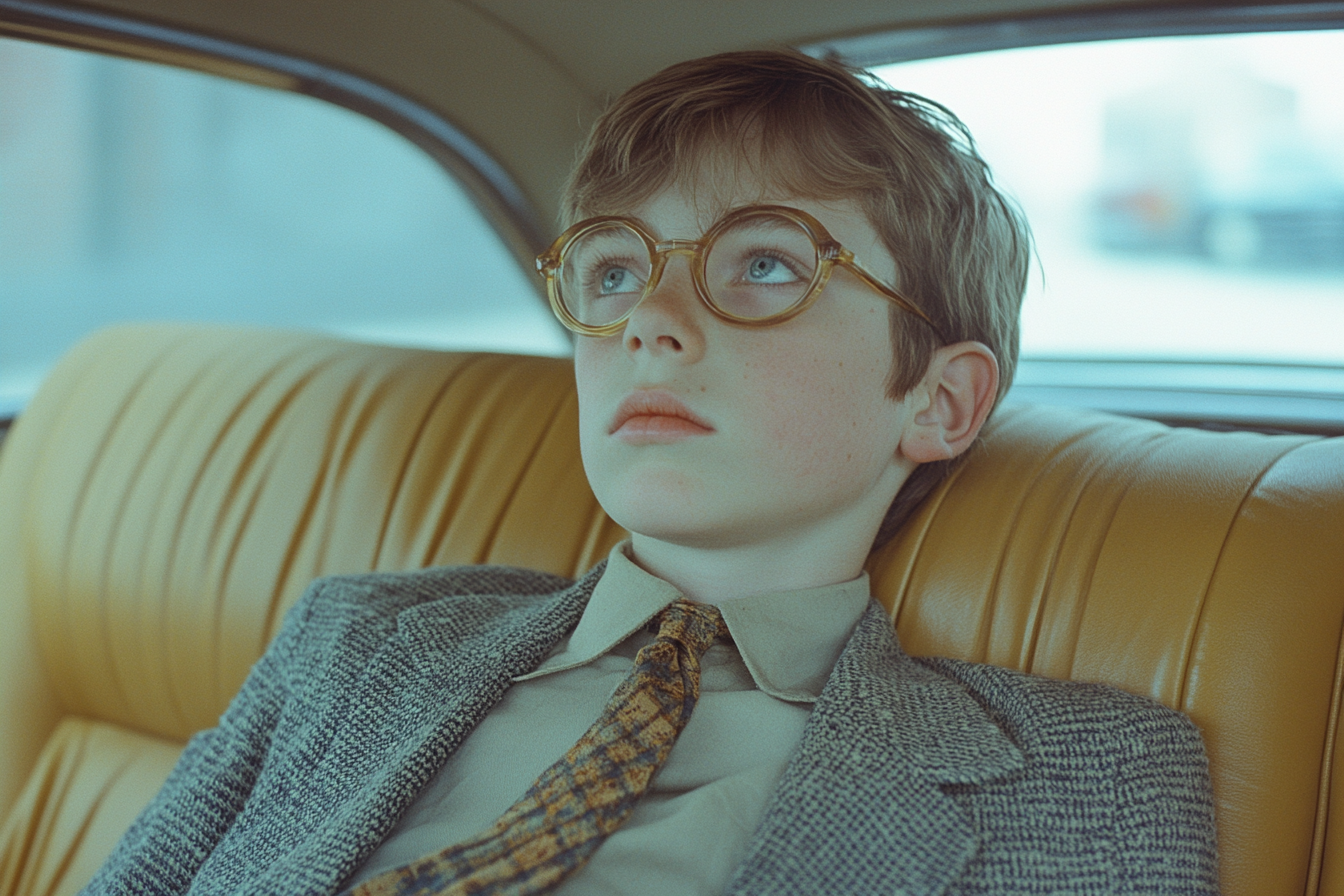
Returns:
(171, 489)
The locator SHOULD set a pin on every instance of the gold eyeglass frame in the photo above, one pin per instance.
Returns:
(829, 254)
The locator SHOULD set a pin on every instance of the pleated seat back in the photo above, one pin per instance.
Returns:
(171, 490)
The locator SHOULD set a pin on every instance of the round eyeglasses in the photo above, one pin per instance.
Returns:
(757, 266)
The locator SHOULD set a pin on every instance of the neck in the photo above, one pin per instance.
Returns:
(717, 574)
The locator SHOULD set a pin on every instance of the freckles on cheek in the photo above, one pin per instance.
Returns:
(817, 423)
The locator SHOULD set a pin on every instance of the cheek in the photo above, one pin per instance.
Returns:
(586, 355)
(592, 359)
(591, 376)
(829, 416)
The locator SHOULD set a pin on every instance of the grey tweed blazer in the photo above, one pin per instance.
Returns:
(913, 776)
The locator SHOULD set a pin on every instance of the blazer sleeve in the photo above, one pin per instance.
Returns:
(166, 845)
(1165, 835)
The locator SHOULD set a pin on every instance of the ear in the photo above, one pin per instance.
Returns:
(951, 402)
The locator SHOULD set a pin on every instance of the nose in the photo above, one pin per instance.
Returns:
(669, 322)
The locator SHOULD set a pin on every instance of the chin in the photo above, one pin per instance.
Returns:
(674, 519)
(648, 492)
(662, 523)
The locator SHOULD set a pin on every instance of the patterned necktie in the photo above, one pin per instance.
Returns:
(557, 825)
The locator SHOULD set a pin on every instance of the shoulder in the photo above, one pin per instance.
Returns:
(1042, 712)
(1126, 776)
(350, 616)
(391, 592)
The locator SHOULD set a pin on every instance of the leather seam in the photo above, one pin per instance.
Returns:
(94, 806)
(493, 533)
(260, 438)
(1320, 823)
(100, 455)
(412, 449)
(464, 451)
(1193, 638)
(1145, 449)
(175, 539)
(1097, 464)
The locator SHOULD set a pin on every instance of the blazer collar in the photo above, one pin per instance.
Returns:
(492, 635)
(935, 726)
(431, 681)
(887, 733)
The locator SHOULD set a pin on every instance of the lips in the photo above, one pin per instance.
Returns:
(650, 416)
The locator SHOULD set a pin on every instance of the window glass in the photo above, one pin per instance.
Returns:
(130, 190)
(1187, 194)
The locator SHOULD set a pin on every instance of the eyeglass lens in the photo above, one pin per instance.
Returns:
(756, 268)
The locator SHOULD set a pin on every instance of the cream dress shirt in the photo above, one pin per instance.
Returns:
(691, 830)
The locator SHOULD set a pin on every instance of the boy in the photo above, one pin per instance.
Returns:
(796, 296)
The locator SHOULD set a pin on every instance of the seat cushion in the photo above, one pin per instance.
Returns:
(91, 779)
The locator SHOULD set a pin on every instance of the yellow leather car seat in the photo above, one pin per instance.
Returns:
(171, 489)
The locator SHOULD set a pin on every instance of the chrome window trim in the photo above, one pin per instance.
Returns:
(1304, 398)
(927, 42)
(490, 187)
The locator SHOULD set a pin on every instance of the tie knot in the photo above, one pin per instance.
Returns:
(692, 624)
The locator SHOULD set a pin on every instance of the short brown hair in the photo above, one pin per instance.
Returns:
(823, 130)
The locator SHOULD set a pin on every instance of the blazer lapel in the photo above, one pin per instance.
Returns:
(420, 695)
(860, 808)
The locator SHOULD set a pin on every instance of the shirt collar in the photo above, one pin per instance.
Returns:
(788, 640)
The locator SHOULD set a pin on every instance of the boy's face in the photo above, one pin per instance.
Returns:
(790, 428)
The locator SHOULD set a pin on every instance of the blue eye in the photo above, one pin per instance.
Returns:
(616, 280)
(766, 269)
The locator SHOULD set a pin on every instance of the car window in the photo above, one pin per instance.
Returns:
(1186, 193)
(130, 190)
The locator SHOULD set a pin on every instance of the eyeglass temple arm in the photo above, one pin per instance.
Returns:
(846, 258)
